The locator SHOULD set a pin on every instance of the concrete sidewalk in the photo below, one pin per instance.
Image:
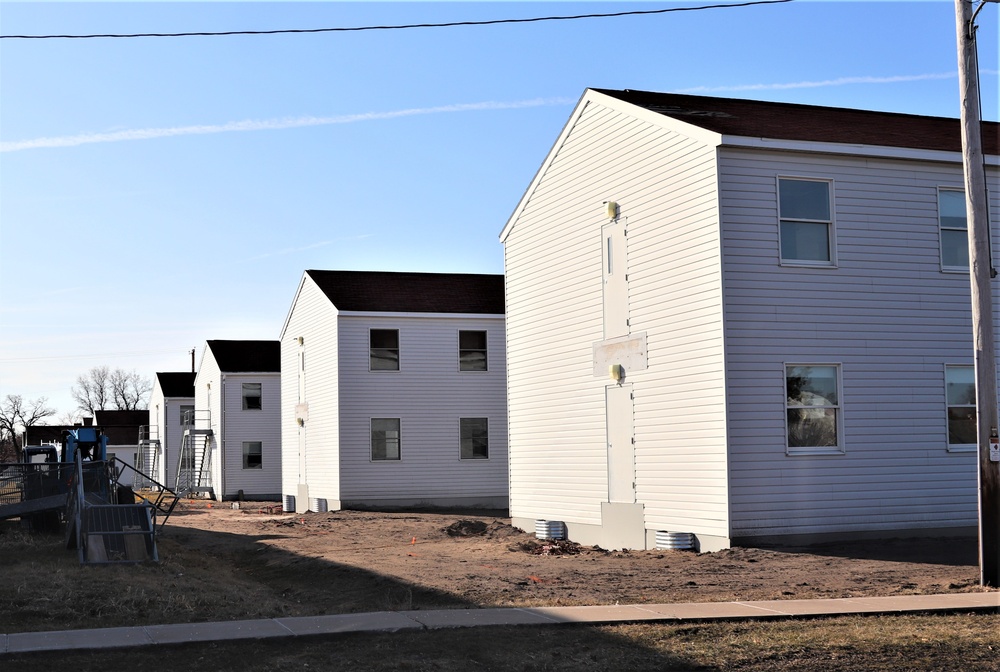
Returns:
(394, 621)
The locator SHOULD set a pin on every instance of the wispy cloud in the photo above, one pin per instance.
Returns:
(270, 124)
(840, 81)
(303, 248)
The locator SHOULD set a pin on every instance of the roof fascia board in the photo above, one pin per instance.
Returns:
(857, 150)
(590, 96)
(367, 313)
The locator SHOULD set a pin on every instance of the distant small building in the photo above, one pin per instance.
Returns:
(121, 427)
(393, 391)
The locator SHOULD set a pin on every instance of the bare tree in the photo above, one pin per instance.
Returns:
(91, 391)
(102, 389)
(16, 415)
(129, 390)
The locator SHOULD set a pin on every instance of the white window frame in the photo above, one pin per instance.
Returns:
(246, 453)
(399, 441)
(398, 350)
(839, 448)
(830, 223)
(461, 439)
(947, 268)
(486, 350)
(245, 396)
(956, 447)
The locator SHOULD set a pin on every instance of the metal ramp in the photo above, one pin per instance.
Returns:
(34, 492)
(102, 529)
(194, 469)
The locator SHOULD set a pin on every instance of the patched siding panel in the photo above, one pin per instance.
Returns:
(886, 314)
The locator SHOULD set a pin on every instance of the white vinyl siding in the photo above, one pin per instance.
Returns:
(241, 426)
(664, 184)
(886, 314)
(428, 395)
(310, 376)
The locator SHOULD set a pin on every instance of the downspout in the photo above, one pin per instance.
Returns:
(222, 440)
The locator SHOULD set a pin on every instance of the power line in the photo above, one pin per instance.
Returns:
(401, 27)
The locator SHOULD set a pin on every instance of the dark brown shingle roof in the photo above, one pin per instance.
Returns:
(786, 121)
(247, 356)
(176, 383)
(387, 292)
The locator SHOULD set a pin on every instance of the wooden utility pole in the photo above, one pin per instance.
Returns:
(980, 272)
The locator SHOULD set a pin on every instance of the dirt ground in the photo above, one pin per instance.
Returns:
(429, 560)
(220, 563)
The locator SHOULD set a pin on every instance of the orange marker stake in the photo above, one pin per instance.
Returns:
(413, 542)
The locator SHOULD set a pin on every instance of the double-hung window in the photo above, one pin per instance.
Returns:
(383, 350)
(806, 222)
(475, 441)
(253, 455)
(954, 230)
(960, 393)
(812, 408)
(251, 397)
(472, 351)
(385, 439)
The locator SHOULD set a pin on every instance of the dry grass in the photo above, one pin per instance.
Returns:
(953, 643)
(228, 575)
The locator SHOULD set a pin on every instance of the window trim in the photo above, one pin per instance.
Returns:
(245, 454)
(831, 230)
(398, 350)
(485, 350)
(946, 268)
(840, 448)
(371, 440)
(244, 397)
(957, 447)
(473, 458)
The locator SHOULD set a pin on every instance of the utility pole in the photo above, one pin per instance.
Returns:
(192, 360)
(980, 273)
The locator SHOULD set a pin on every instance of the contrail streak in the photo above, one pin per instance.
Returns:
(270, 125)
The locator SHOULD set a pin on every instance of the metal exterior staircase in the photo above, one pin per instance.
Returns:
(194, 468)
(148, 458)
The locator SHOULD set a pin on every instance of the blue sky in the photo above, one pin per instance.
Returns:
(156, 193)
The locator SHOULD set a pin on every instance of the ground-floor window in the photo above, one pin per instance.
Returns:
(385, 439)
(960, 393)
(475, 441)
(253, 455)
(812, 407)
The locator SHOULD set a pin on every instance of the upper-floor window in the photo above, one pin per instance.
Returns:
(812, 407)
(251, 397)
(472, 351)
(960, 394)
(383, 350)
(187, 415)
(806, 222)
(954, 229)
